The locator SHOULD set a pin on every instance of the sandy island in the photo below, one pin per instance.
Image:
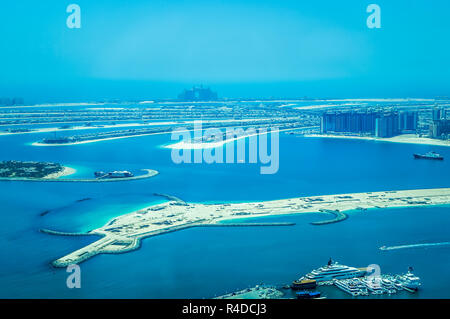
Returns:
(95, 140)
(56, 177)
(249, 121)
(123, 233)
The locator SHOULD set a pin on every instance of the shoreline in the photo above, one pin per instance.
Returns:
(132, 136)
(66, 171)
(124, 233)
(69, 171)
(196, 146)
(249, 121)
(81, 128)
(404, 139)
(126, 124)
(95, 141)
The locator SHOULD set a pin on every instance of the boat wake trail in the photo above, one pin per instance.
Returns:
(415, 246)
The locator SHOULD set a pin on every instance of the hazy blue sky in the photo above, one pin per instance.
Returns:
(268, 48)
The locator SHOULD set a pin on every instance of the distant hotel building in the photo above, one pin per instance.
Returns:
(369, 123)
(198, 94)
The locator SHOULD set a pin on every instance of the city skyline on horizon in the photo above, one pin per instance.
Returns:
(172, 92)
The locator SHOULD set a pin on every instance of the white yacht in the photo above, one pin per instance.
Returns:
(409, 280)
(389, 285)
(374, 285)
(335, 271)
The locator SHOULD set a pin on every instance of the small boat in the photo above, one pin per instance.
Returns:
(307, 294)
(429, 155)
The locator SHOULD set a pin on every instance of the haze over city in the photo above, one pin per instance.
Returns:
(292, 49)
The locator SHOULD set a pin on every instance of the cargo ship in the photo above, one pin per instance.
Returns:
(429, 155)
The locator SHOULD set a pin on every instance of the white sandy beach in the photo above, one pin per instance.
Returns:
(324, 106)
(65, 172)
(195, 146)
(405, 138)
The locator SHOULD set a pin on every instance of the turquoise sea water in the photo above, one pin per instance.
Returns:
(204, 262)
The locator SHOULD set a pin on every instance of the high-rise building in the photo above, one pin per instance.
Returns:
(407, 121)
(367, 123)
(386, 125)
(439, 113)
(440, 128)
(353, 122)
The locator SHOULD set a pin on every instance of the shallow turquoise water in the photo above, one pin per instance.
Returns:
(203, 262)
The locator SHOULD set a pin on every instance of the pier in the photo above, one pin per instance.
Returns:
(339, 216)
(61, 233)
(171, 198)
